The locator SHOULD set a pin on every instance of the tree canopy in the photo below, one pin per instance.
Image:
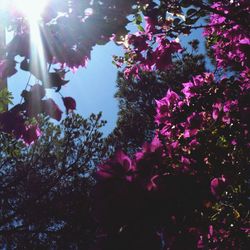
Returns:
(182, 184)
(45, 188)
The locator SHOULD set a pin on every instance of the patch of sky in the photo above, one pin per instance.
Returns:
(92, 87)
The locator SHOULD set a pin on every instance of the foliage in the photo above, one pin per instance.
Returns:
(45, 188)
(5, 99)
(137, 97)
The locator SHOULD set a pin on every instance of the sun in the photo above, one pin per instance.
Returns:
(31, 9)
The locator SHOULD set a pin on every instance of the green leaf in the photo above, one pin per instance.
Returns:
(138, 19)
(140, 28)
(5, 99)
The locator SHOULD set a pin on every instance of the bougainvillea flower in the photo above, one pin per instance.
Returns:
(230, 105)
(163, 53)
(148, 148)
(51, 109)
(37, 91)
(7, 68)
(217, 186)
(165, 104)
(232, 43)
(19, 45)
(69, 103)
(217, 107)
(31, 134)
(12, 122)
(138, 41)
(120, 166)
(151, 22)
(187, 90)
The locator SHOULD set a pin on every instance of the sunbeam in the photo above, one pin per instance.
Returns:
(38, 61)
(31, 10)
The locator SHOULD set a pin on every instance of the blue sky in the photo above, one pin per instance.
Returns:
(92, 87)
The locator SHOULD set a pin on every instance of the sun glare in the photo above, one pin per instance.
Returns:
(31, 9)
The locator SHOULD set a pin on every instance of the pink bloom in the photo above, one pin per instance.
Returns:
(151, 22)
(51, 109)
(139, 42)
(37, 92)
(69, 103)
(217, 186)
(229, 105)
(31, 134)
(7, 68)
(217, 107)
(120, 166)
(194, 143)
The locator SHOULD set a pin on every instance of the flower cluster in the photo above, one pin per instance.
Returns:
(18, 120)
(230, 36)
(148, 49)
(203, 133)
(187, 186)
(191, 165)
(148, 54)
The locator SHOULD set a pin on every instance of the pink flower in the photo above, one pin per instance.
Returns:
(170, 99)
(120, 166)
(69, 103)
(217, 107)
(37, 92)
(51, 109)
(217, 186)
(163, 53)
(7, 68)
(148, 148)
(151, 22)
(31, 134)
(138, 41)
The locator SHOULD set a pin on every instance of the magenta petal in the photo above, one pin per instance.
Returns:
(7, 68)
(69, 103)
(37, 91)
(51, 109)
(31, 134)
